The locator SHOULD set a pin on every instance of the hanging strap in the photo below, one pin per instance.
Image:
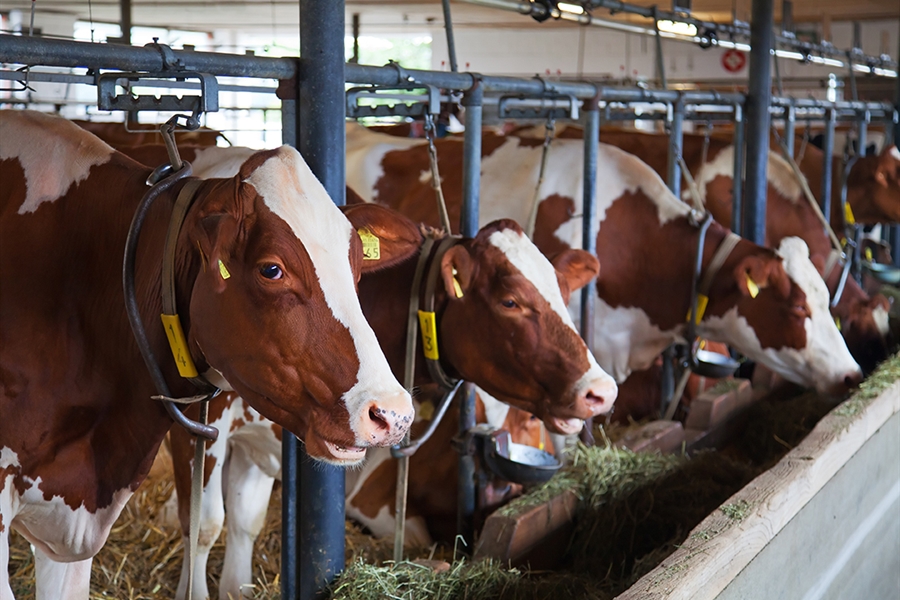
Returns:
(435, 174)
(549, 128)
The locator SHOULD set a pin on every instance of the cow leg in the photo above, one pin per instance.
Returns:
(246, 501)
(212, 517)
(5, 589)
(61, 580)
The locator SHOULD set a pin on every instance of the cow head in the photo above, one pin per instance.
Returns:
(274, 308)
(781, 317)
(876, 198)
(506, 327)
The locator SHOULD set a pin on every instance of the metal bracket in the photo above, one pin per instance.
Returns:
(406, 105)
(108, 99)
(538, 107)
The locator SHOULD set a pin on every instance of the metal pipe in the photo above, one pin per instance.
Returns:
(660, 59)
(827, 163)
(790, 128)
(676, 141)
(757, 106)
(737, 184)
(68, 53)
(321, 119)
(355, 24)
(451, 43)
(472, 101)
(290, 445)
(125, 16)
(590, 113)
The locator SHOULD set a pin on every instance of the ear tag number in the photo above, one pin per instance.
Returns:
(371, 244)
(223, 271)
(702, 301)
(457, 288)
(428, 325)
(752, 287)
(178, 344)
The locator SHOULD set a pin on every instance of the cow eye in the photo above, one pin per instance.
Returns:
(271, 271)
(508, 303)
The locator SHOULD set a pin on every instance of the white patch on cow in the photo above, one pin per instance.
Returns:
(779, 173)
(625, 340)
(895, 152)
(365, 152)
(63, 533)
(215, 162)
(494, 411)
(882, 320)
(292, 192)
(825, 361)
(54, 153)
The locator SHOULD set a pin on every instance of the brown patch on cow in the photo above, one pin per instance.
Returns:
(236, 424)
(277, 430)
(553, 211)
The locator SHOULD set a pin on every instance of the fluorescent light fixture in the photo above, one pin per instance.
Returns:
(677, 27)
(575, 9)
(788, 54)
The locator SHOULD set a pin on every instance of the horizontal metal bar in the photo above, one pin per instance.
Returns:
(68, 53)
(38, 77)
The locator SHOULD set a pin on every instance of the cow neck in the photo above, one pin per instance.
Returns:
(174, 333)
(701, 285)
(423, 304)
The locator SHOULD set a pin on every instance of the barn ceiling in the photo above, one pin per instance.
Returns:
(399, 15)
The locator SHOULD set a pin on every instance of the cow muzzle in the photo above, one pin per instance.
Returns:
(596, 395)
(385, 421)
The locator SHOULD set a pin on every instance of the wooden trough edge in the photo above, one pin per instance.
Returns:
(724, 543)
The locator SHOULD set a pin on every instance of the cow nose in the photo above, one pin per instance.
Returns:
(599, 397)
(853, 379)
(385, 421)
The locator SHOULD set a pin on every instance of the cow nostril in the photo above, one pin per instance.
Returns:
(377, 416)
(851, 381)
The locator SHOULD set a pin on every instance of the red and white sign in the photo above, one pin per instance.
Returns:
(734, 60)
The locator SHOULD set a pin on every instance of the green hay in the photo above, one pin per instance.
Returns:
(736, 511)
(724, 386)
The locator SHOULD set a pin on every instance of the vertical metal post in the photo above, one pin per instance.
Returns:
(321, 120)
(737, 180)
(355, 25)
(790, 128)
(290, 445)
(472, 101)
(676, 140)
(673, 179)
(758, 99)
(828, 162)
(451, 43)
(591, 116)
(125, 18)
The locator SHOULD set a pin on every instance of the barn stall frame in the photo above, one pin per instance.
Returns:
(316, 100)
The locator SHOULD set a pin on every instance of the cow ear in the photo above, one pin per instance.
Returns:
(578, 267)
(213, 227)
(755, 273)
(353, 198)
(457, 272)
(388, 237)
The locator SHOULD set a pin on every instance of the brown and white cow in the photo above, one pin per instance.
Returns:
(863, 319)
(506, 329)
(265, 274)
(646, 240)
(138, 134)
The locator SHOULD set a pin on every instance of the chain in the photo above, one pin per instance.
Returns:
(435, 174)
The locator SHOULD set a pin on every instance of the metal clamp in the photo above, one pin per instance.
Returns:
(543, 106)
(108, 99)
(406, 105)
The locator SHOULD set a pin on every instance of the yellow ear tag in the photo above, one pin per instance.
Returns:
(425, 410)
(837, 321)
(428, 326)
(371, 244)
(456, 287)
(702, 301)
(869, 256)
(752, 287)
(223, 271)
(178, 344)
(848, 214)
